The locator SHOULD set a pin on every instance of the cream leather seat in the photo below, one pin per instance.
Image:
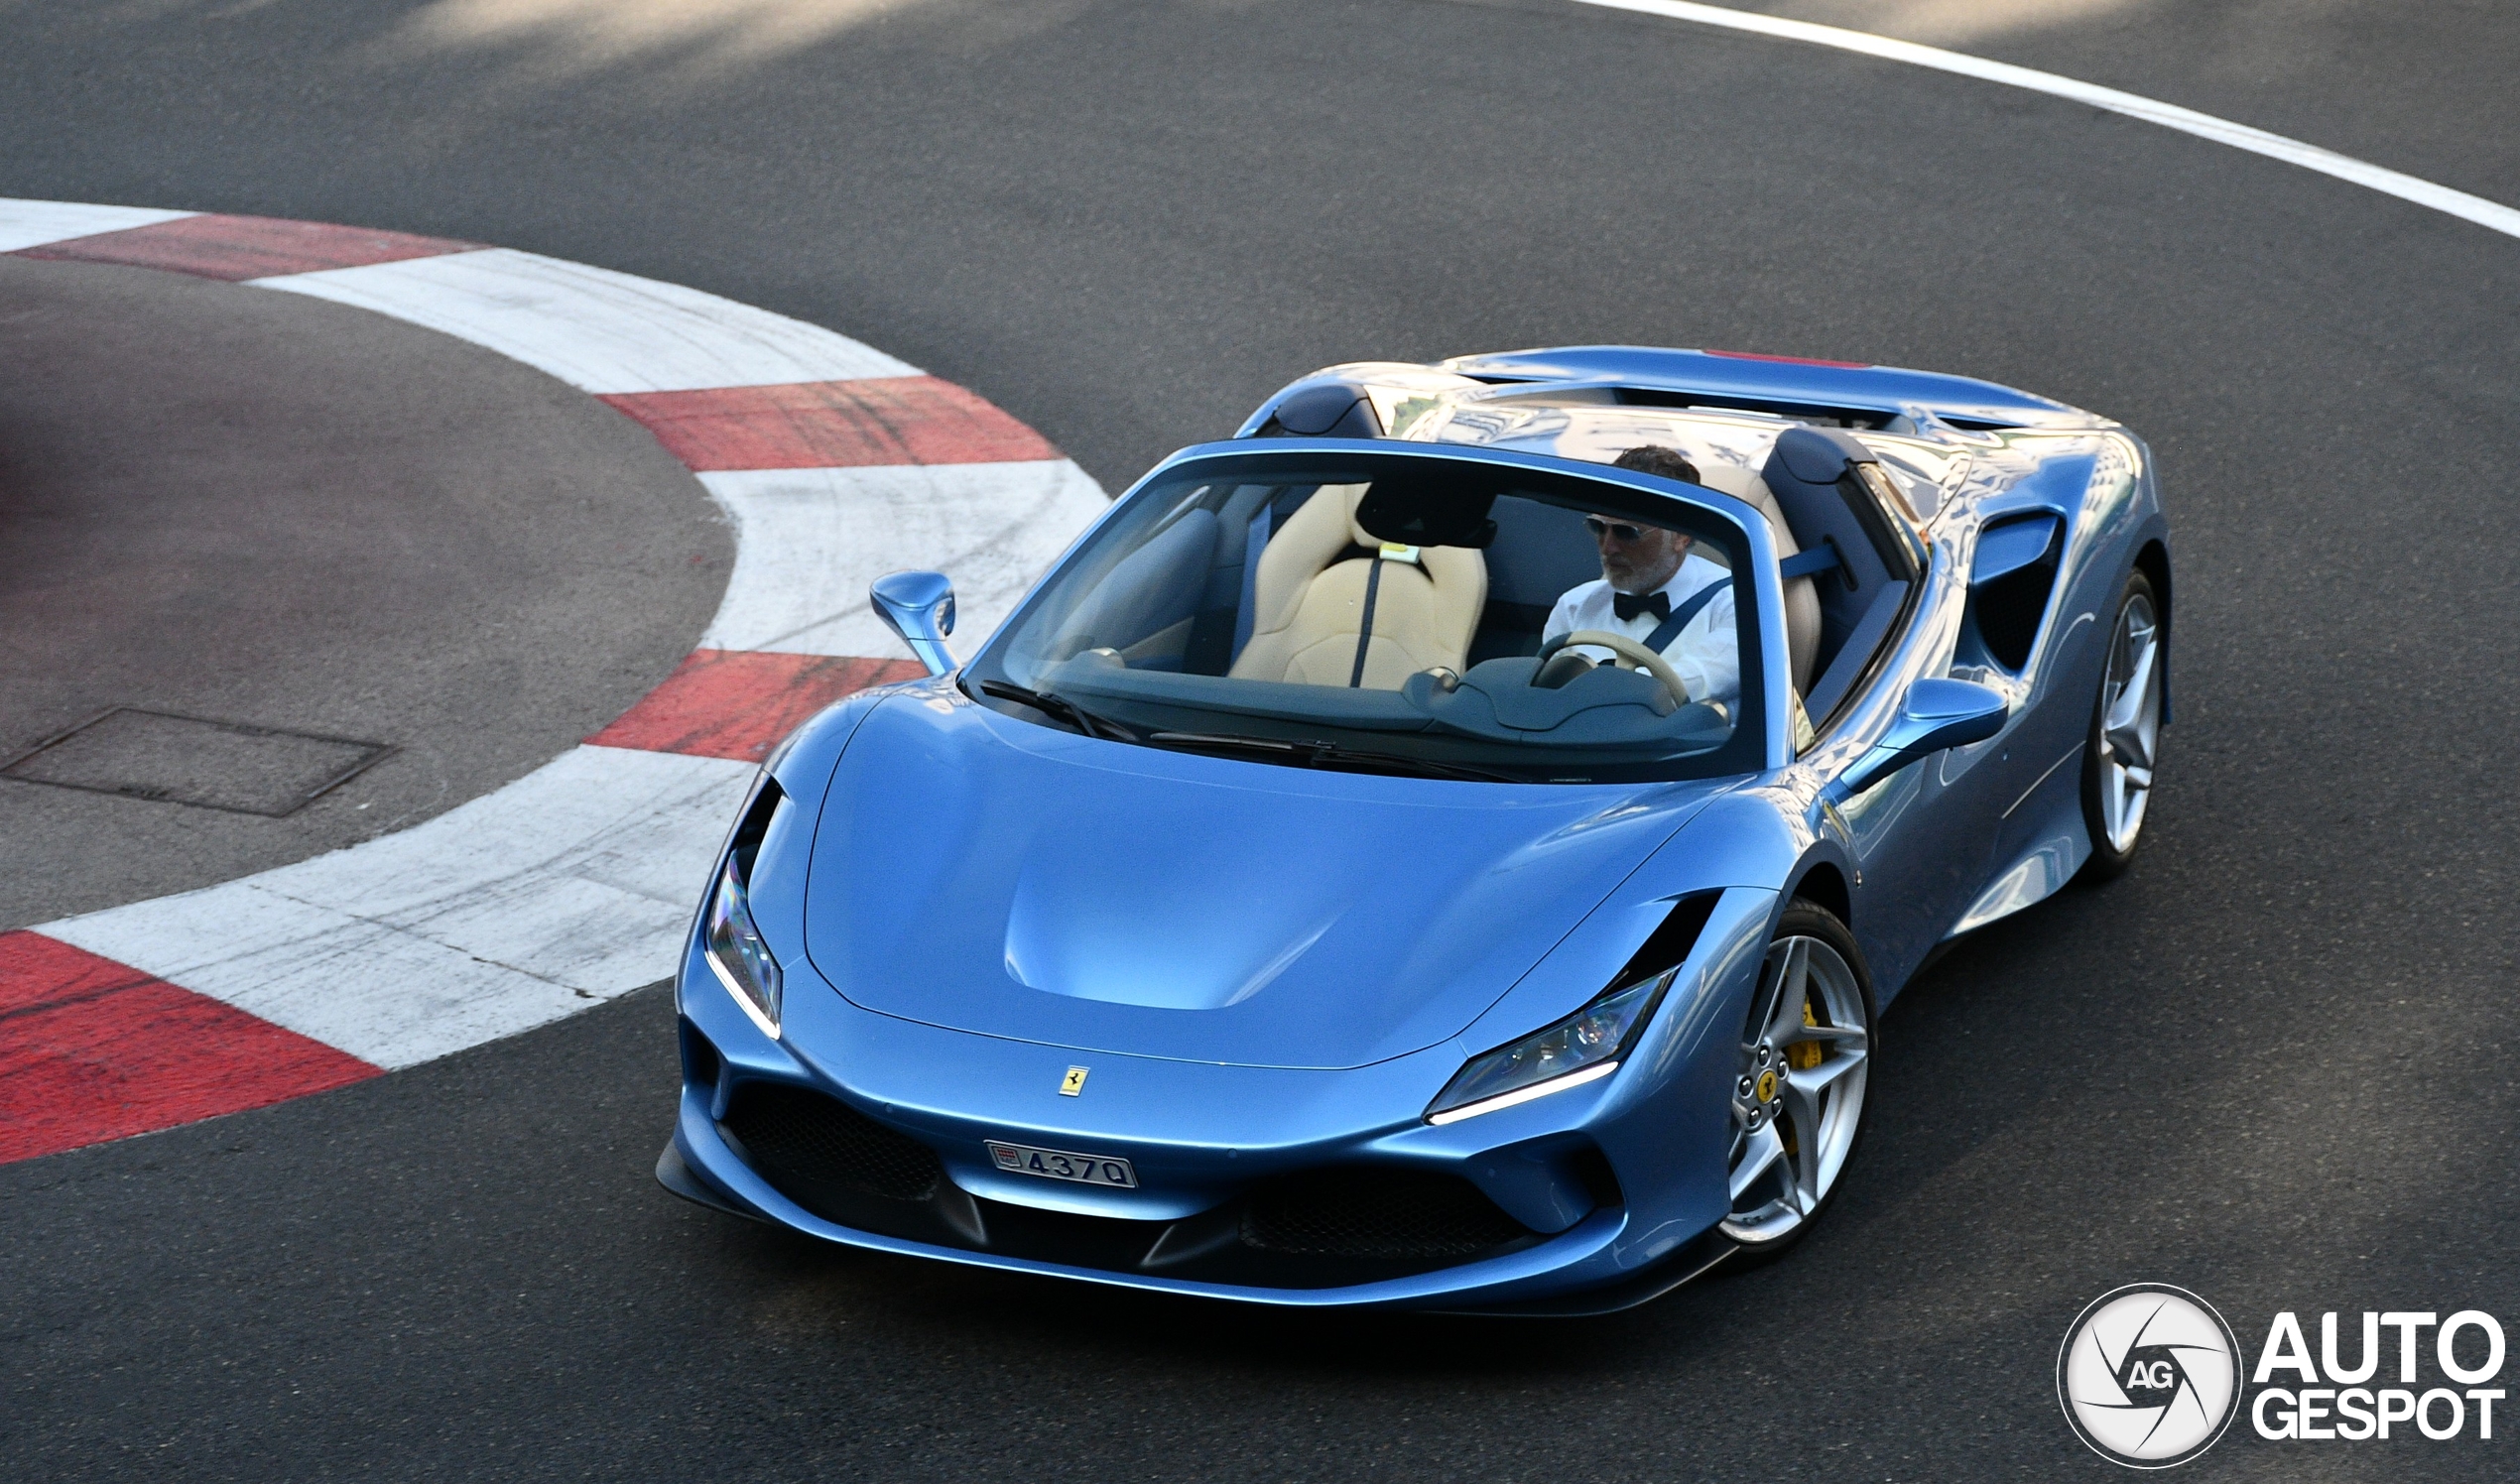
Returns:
(1801, 603)
(1309, 604)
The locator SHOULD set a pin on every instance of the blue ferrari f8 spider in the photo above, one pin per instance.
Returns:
(1448, 845)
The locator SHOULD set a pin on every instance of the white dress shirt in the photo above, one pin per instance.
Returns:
(1706, 653)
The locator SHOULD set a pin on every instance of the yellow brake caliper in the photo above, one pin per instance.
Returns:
(1804, 1055)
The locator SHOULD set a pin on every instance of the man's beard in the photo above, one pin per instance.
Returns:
(1637, 581)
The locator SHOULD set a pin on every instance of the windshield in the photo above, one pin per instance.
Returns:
(1407, 613)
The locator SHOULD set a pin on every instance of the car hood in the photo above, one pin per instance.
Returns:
(975, 872)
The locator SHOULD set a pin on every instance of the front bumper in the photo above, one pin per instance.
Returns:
(1612, 1188)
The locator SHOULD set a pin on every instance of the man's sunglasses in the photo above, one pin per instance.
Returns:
(1619, 530)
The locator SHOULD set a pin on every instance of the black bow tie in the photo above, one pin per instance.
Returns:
(1627, 605)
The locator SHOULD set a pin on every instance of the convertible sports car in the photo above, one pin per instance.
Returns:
(1326, 889)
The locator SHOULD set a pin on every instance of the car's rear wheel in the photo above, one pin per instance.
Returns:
(2125, 741)
(1798, 1105)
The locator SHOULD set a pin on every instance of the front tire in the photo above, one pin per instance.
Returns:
(2125, 738)
(1797, 1107)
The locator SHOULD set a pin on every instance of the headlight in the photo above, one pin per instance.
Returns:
(733, 947)
(1582, 1047)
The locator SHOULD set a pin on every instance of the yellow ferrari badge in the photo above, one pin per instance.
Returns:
(1073, 1084)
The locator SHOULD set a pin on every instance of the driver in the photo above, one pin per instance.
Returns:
(1649, 579)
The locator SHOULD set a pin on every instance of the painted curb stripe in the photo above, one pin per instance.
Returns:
(730, 703)
(237, 248)
(899, 420)
(25, 225)
(568, 886)
(576, 882)
(2491, 215)
(93, 1050)
(600, 330)
(811, 541)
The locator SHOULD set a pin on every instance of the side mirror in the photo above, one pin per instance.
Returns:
(1938, 714)
(919, 606)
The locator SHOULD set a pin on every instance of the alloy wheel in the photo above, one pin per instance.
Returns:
(1799, 1099)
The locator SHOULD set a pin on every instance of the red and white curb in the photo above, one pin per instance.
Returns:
(573, 884)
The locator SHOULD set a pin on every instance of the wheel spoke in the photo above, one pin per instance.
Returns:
(2129, 747)
(1806, 1098)
(1762, 1150)
(1846, 1037)
(1803, 1166)
(1793, 991)
(1811, 1084)
(2126, 712)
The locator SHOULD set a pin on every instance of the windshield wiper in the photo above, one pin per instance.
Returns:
(1329, 754)
(1048, 705)
(1316, 754)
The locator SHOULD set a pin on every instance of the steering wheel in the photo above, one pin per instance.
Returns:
(1623, 650)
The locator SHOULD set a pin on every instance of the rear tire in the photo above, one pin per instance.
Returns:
(2124, 744)
(1799, 1106)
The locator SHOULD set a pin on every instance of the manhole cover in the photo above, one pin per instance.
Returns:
(214, 765)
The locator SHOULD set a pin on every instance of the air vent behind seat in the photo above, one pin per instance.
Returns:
(2014, 573)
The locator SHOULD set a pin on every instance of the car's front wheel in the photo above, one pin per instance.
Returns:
(1798, 1105)
(2125, 740)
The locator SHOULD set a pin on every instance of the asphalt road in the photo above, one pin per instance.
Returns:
(246, 506)
(2271, 1065)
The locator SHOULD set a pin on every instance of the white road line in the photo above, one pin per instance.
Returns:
(594, 328)
(25, 225)
(2485, 213)
(571, 885)
(808, 543)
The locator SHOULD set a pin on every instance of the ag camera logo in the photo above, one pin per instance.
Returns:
(2149, 1375)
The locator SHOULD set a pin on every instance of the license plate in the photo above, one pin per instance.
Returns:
(1059, 1165)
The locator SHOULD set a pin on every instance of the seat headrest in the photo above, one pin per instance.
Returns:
(1331, 505)
(1817, 456)
(1740, 484)
(1332, 409)
(1749, 488)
